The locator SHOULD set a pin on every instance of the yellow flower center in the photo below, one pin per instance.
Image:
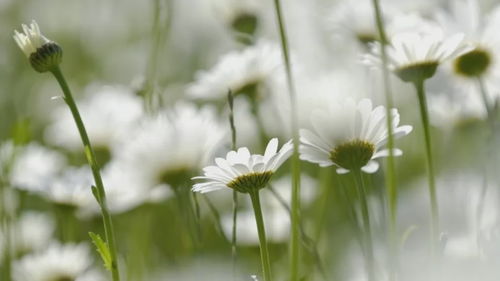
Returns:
(250, 182)
(418, 71)
(352, 155)
(473, 64)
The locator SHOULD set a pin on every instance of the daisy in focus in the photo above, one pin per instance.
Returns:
(242, 171)
(247, 173)
(44, 55)
(31, 39)
(350, 136)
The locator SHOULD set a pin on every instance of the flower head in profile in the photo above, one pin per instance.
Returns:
(246, 72)
(350, 136)
(242, 171)
(415, 56)
(42, 53)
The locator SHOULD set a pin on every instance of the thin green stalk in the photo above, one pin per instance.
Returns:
(186, 209)
(197, 210)
(419, 85)
(99, 187)
(235, 193)
(295, 231)
(392, 191)
(5, 226)
(484, 97)
(264, 253)
(159, 34)
(367, 232)
(6, 219)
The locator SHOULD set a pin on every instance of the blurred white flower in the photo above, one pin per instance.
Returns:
(71, 187)
(416, 55)
(243, 72)
(30, 233)
(109, 112)
(57, 262)
(313, 92)
(356, 19)
(242, 171)
(128, 186)
(35, 166)
(170, 147)
(350, 136)
(480, 31)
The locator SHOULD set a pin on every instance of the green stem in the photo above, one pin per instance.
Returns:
(159, 34)
(234, 249)
(490, 110)
(370, 259)
(419, 85)
(295, 235)
(235, 193)
(186, 209)
(5, 224)
(89, 153)
(6, 214)
(264, 253)
(484, 97)
(392, 191)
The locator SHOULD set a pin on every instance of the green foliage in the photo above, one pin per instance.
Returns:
(102, 249)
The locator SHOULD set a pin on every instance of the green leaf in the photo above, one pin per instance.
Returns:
(102, 249)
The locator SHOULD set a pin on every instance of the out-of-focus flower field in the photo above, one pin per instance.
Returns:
(359, 142)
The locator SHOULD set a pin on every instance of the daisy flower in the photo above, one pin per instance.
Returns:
(43, 54)
(244, 72)
(31, 232)
(242, 171)
(185, 137)
(35, 167)
(31, 39)
(350, 136)
(476, 71)
(247, 173)
(415, 56)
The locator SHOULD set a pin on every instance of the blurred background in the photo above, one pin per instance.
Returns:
(151, 78)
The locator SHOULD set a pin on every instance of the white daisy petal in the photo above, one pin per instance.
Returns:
(371, 167)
